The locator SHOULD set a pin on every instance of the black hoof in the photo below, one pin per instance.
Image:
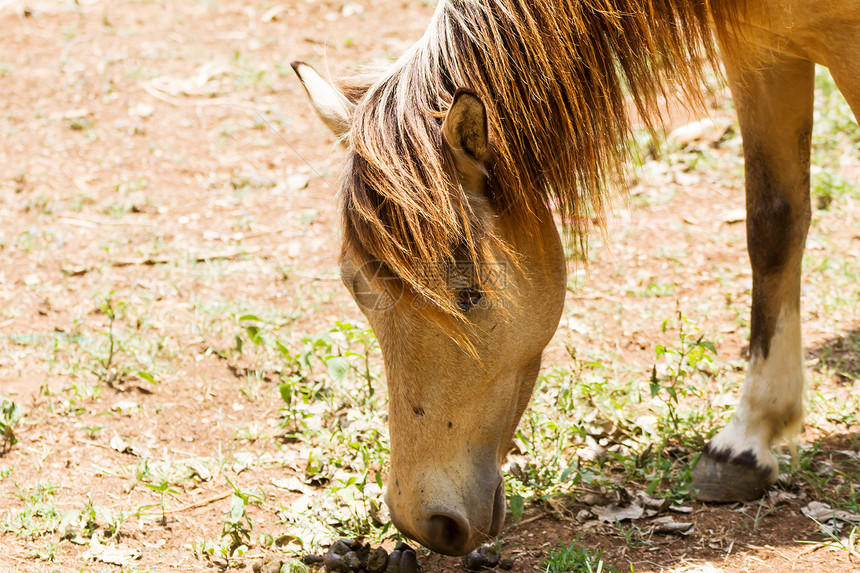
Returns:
(722, 478)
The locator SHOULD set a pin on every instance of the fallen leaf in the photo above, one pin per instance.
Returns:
(292, 484)
(777, 496)
(143, 110)
(593, 498)
(668, 524)
(734, 216)
(694, 131)
(122, 446)
(822, 512)
(125, 407)
(273, 14)
(298, 181)
(612, 513)
(657, 503)
(114, 554)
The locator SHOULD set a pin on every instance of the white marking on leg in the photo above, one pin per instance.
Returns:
(771, 405)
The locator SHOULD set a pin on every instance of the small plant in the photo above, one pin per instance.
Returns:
(850, 543)
(10, 415)
(573, 559)
(237, 524)
(124, 348)
(236, 530)
(106, 367)
(365, 339)
(39, 514)
(163, 486)
(692, 358)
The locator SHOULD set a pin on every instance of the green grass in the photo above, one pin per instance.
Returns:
(589, 424)
(574, 559)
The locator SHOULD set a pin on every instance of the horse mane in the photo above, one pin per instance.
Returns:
(553, 75)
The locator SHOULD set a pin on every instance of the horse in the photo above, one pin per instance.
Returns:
(455, 154)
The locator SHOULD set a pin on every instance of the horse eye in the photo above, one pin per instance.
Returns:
(468, 298)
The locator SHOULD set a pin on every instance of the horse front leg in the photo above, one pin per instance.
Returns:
(774, 100)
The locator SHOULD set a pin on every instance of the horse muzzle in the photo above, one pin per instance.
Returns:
(451, 528)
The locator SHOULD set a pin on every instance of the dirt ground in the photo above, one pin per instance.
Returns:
(163, 154)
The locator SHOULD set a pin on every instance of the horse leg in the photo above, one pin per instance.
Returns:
(774, 102)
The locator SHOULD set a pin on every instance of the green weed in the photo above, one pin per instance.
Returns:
(574, 559)
(39, 515)
(236, 528)
(686, 368)
(10, 415)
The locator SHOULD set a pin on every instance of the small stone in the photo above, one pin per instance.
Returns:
(312, 559)
(377, 561)
(506, 563)
(490, 555)
(362, 552)
(408, 562)
(352, 560)
(266, 565)
(335, 563)
(473, 561)
(393, 562)
(341, 547)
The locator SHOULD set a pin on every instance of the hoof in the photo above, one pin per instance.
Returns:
(721, 478)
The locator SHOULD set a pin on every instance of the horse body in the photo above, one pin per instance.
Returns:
(450, 249)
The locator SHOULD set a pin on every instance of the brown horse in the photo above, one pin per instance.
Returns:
(455, 153)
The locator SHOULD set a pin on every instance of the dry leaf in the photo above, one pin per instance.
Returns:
(822, 512)
(612, 513)
(668, 524)
(114, 554)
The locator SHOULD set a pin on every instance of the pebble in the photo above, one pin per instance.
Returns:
(408, 562)
(486, 557)
(393, 562)
(353, 561)
(350, 556)
(378, 561)
(335, 563)
(473, 561)
(341, 547)
(267, 565)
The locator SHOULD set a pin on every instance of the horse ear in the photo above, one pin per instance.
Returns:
(465, 127)
(329, 103)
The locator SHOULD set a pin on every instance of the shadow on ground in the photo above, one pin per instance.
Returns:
(841, 355)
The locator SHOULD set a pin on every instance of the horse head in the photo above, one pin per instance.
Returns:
(462, 349)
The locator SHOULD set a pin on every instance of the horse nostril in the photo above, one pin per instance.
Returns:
(445, 533)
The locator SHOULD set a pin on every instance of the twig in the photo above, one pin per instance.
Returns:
(151, 261)
(88, 443)
(531, 519)
(198, 102)
(769, 548)
(189, 506)
(95, 223)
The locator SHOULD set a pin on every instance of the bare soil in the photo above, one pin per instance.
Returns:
(165, 152)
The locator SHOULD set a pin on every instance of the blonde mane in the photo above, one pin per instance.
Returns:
(554, 76)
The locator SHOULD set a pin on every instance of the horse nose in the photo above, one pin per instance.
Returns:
(447, 533)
